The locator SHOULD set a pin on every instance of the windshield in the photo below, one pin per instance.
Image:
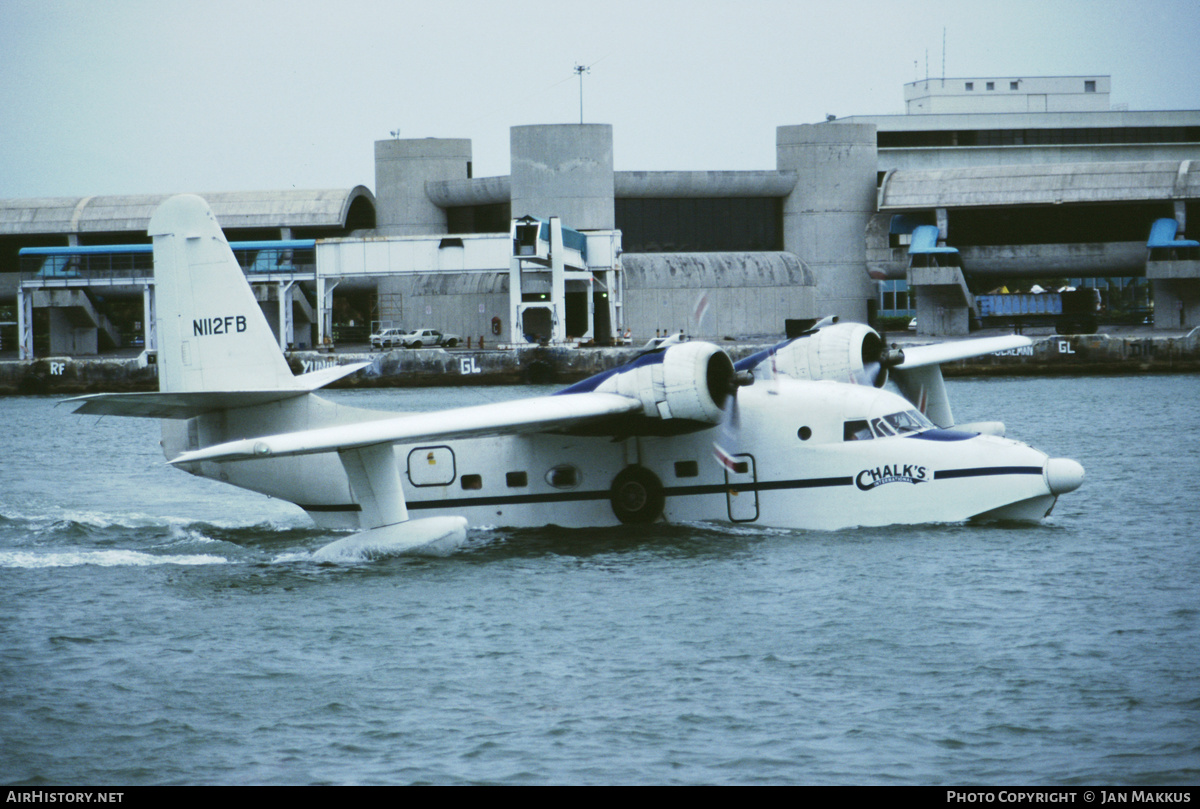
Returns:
(903, 423)
(910, 421)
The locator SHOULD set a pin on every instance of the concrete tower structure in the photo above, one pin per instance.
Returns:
(826, 215)
(564, 170)
(402, 167)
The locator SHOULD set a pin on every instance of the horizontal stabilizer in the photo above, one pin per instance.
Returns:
(181, 405)
(315, 380)
(506, 418)
(919, 356)
(189, 404)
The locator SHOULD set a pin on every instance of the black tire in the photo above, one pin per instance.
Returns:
(637, 495)
(451, 343)
(417, 344)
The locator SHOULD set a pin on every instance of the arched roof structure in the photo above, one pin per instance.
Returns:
(1040, 184)
(323, 208)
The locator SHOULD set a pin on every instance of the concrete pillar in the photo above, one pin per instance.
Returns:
(1175, 283)
(24, 324)
(564, 170)
(287, 332)
(825, 217)
(325, 289)
(73, 320)
(402, 167)
(149, 332)
(1176, 303)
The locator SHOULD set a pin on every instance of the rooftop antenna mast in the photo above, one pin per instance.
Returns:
(581, 69)
(943, 56)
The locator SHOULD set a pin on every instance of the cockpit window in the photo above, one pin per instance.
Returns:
(910, 421)
(904, 423)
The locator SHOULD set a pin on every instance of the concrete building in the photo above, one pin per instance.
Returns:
(1008, 95)
(985, 181)
(1029, 179)
(78, 272)
(722, 226)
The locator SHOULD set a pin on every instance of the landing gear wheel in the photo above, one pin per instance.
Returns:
(637, 495)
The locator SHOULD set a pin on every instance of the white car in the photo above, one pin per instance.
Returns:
(387, 338)
(428, 337)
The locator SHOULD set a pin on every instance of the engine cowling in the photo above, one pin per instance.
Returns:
(681, 389)
(842, 352)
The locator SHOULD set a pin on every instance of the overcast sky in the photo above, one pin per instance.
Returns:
(167, 96)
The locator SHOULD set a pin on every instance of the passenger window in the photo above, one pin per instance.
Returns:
(516, 480)
(563, 477)
(686, 469)
(857, 431)
(471, 482)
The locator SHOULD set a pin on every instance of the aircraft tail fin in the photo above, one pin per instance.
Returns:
(212, 336)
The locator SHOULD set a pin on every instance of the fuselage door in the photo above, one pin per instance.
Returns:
(431, 466)
(741, 493)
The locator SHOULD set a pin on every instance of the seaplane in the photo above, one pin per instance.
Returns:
(802, 435)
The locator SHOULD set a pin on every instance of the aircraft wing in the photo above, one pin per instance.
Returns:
(919, 375)
(506, 418)
(936, 354)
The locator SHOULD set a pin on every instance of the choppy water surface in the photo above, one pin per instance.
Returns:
(158, 628)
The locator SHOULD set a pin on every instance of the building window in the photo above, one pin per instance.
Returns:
(991, 85)
(970, 86)
(1013, 85)
(895, 300)
(699, 225)
(1089, 87)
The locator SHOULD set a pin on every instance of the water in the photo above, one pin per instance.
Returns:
(161, 629)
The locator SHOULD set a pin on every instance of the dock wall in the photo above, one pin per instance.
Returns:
(1057, 355)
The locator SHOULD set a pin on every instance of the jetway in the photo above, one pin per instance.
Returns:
(68, 282)
(556, 295)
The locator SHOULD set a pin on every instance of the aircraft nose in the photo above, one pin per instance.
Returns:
(1063, 475)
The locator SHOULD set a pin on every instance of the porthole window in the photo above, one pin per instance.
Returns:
(805, 433)
(563, 477)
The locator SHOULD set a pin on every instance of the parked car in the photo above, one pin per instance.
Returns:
(387, 338)
(428, 337)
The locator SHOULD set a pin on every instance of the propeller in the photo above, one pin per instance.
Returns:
(877, 361)
(726, 439)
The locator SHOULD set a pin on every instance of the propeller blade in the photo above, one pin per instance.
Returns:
(727, 434)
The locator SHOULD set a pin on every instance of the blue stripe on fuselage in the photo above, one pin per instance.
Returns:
(592, 382)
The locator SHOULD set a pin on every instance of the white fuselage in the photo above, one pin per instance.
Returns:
(800, 471)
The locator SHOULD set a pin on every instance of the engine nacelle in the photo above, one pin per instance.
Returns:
(683, 388)
(842, 352)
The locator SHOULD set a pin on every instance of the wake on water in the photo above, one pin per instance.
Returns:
(60, 538)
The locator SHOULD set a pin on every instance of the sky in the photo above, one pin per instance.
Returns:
(167, 96)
